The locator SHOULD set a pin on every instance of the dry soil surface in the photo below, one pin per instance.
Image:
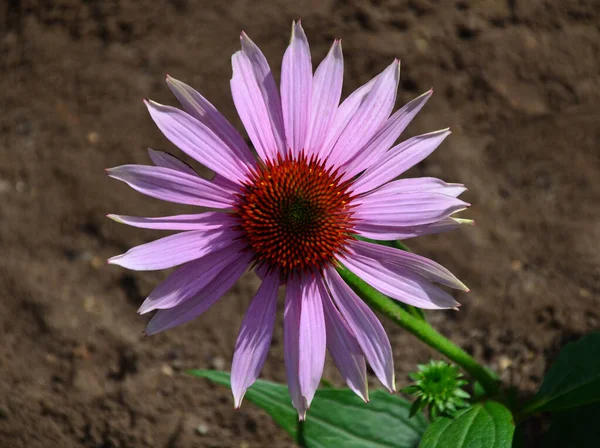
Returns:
(517, 81)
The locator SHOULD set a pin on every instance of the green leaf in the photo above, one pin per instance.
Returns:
(573, 380)
(485, 425)
(576, 427)
(337, 417)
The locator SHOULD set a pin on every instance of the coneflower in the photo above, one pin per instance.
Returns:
(325, 173)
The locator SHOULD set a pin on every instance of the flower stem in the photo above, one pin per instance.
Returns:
(421, 329)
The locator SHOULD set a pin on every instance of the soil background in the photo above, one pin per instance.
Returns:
(517, 81)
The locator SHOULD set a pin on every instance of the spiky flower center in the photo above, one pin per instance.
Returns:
(295, 214)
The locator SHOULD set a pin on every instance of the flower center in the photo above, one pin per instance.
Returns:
(295, 214)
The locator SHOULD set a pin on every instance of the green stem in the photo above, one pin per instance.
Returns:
(421, 329)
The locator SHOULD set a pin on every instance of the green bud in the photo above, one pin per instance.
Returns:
(438, 387)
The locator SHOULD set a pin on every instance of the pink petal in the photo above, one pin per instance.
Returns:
(345, 351)
(257, 100)
(311, 337)
(291, 344)
(367, 329)
(173, 186)
(343, 115)
(166, 160)
(399, 159)
(198, 141)
(296, 86)
(385, 137)
(387, 233)
(202, 110)
(202, 221)
(414, 263)
(417, 185)
(189, 279)
(326, 93)
(225, 183)
(370, 116)
(254, 339)
(399, 283)
(409, 209)
(174, 250)
(194, 307)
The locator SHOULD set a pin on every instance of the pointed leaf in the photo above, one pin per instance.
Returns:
(573, 380)
(485, 425)
(337, 417)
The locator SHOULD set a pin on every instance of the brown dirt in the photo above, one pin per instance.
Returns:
(516, 80)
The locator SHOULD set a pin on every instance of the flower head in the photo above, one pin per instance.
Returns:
(324, 173)
(295, 215)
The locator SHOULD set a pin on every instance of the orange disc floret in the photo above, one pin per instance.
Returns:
(295, 214)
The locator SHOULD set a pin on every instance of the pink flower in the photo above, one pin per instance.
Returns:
(325, 173)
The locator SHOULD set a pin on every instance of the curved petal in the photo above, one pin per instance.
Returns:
(410, 209)
(385, 137)
(173, 186)
(198, 141)
(194, 307)
(254, 339)
(399, 283)
(370, 116)
(387, 233)
(202, 110)
(291, 344)
(225, 183)
(343, 115)
(326, 93)
(399, 159)
(304, 339)
(365, 326)
(312, 336)
(166, 160)
(202, 221)
(257, 100)
(174, 250)
(296, 88)
(418, 185)
(345, 351)
(414, 263)
(190, 279)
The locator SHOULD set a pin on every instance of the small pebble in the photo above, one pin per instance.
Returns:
(88, 303)
(583, 292)
(422, 45)
(202, 429)
(516, 265)
(93, 138)
(20, 186)
(167, 370)
(81, 352)
(51, 359)
(504, 362)
(97, 262)
(218, 363)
